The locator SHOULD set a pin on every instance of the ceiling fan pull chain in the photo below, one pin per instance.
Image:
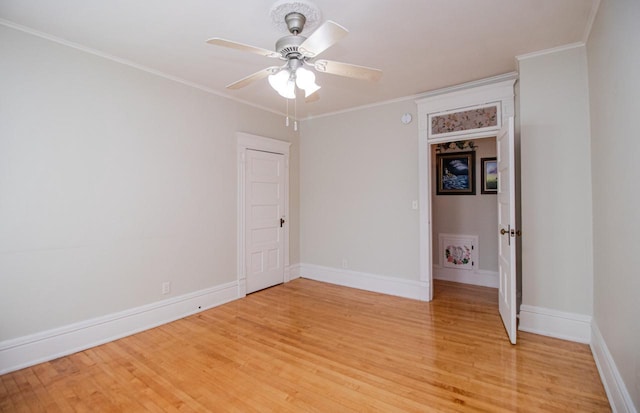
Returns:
(295, 113)
(286, 122)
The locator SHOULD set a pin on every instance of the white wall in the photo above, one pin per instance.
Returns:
(112, 180)
(557, 268)
(614, 84)
(469, 214)
(358, 178)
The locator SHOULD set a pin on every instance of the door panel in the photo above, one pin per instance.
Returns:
(264, 211)
(507, 228)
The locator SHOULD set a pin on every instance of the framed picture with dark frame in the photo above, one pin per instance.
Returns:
(456, 173)
(489, 175)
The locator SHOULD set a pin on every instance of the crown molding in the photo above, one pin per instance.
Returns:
(462, 86)
(129, 63)
(550, 51)
(595, 6)
(471, 85)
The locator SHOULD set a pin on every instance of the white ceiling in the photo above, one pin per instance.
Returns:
(420, 45)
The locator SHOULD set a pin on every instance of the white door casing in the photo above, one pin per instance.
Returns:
(264, 214)
(481, 92)
(251, 148)
(505, 142)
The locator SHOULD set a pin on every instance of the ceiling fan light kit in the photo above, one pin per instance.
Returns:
(306, 80)
(283, 84)
(285, 80)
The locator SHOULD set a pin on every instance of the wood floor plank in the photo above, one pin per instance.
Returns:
(20, 401)
(307, 346)
(6, 399)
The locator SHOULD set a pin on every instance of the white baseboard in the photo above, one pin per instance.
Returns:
(294, 271)
(617, 392)
(553, 323)
(418, 290)
(37, 348)
(476, 277)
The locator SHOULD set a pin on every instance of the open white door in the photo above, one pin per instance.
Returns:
(507, 228)
(265, 202)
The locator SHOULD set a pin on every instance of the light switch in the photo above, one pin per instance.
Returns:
(414, 205)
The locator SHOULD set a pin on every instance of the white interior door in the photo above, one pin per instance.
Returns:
(507, 228)
(264, 214)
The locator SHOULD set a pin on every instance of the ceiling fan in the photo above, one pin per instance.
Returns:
(298, 53)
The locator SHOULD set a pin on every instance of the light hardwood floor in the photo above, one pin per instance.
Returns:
(309, 346)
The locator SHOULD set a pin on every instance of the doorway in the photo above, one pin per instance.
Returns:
(505, 202)
(481, 108)
(263, 212)
(264, 219)
(465, 244)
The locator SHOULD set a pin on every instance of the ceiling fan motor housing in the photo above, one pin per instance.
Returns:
(287, 46)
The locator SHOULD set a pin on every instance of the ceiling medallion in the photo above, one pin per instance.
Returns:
(281, 8)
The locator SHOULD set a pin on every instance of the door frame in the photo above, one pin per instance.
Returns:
(245, 142)
(497, 89)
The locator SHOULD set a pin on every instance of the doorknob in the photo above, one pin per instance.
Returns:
(281, 222)
(507, 232)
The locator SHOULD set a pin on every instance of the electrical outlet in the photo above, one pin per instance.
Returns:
(166, 287)
(345, 263)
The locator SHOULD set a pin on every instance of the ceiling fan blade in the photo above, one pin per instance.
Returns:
(347, 69)
(312, 98)
(323, 38)
(244, 47)
(252, 78)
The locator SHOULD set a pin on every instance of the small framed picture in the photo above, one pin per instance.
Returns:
(489, 175)
(456, 173)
